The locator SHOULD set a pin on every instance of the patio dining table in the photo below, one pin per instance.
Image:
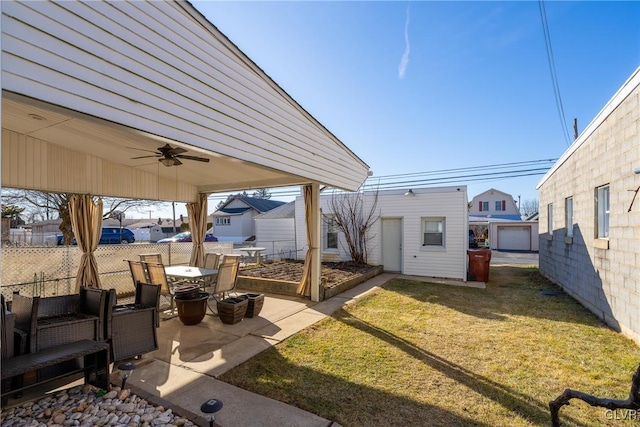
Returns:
(252, 252)
(179, 274)
(182, 273)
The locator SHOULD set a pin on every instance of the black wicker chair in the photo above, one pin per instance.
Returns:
(13, 343)
(64, 319)
(127, 340)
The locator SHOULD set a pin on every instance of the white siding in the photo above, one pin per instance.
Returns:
(233, 232)
(492, 196)
(340, 254)
(278, 236)
(447, 202)
(160, 67)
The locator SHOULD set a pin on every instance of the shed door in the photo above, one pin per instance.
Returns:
(392, 244)
(514, 238)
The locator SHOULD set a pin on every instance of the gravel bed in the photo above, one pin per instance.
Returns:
(83, 406)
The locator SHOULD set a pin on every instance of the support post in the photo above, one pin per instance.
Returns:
(316, 260)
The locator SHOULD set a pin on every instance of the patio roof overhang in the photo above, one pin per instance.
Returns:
(87, 85)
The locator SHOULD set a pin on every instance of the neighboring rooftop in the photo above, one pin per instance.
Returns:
(287, 210)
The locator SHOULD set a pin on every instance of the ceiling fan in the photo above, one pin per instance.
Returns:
(170, 156)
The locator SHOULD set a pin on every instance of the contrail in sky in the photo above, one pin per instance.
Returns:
(405, 56)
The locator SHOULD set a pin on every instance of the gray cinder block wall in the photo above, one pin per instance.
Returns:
(602, 274)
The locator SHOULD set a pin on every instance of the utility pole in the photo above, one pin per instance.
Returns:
(173, 205)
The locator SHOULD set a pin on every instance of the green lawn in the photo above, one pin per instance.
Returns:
(421, 354)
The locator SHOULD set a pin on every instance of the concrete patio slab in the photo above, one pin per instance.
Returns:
(242, 408)
(291, 325)
(229, 356)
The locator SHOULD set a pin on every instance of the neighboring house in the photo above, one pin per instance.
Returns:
(234, 221)
(423, 232)
(49, 226)
(590, 215)
(508, 234)
(498, 213)
(494, 204)
(276, 232)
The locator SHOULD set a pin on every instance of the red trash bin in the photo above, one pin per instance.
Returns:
(479, 260)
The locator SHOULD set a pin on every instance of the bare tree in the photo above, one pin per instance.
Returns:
(14, 214)
(480, 231)
(529, 207)
(350, 216)
(56, 205)
(262, 193)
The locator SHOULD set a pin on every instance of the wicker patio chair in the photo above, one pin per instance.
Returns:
(59, 320)
(158, 276)
(26, 311)
(13, 343)
(127, 341)
(148, 295)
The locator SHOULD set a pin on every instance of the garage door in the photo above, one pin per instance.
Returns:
(514, 238)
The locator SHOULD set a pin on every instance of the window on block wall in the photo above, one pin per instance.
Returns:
(568, 211)
(433, 232)
(330, 232)
(602, 211)
(550, 219)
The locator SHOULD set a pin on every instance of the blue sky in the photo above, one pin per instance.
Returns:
(420, 86)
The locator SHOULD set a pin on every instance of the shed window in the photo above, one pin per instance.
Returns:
(433, 232)
(550, 219)
(330, 232)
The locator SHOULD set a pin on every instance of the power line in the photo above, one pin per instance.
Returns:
(552, 69)
(468, 168)
(459, 176)
(464, 178)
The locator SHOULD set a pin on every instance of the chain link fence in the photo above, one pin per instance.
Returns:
(277, 250)
(49, 271)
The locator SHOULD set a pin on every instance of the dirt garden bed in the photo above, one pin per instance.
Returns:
(284, 276)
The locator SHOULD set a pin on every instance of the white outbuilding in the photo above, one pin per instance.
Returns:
(421, 232)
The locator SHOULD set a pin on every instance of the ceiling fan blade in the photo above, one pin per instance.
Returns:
(144, 157)
(176, 162)
(169, 151)
(142, 149)
(176, 150)
(198, 159)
